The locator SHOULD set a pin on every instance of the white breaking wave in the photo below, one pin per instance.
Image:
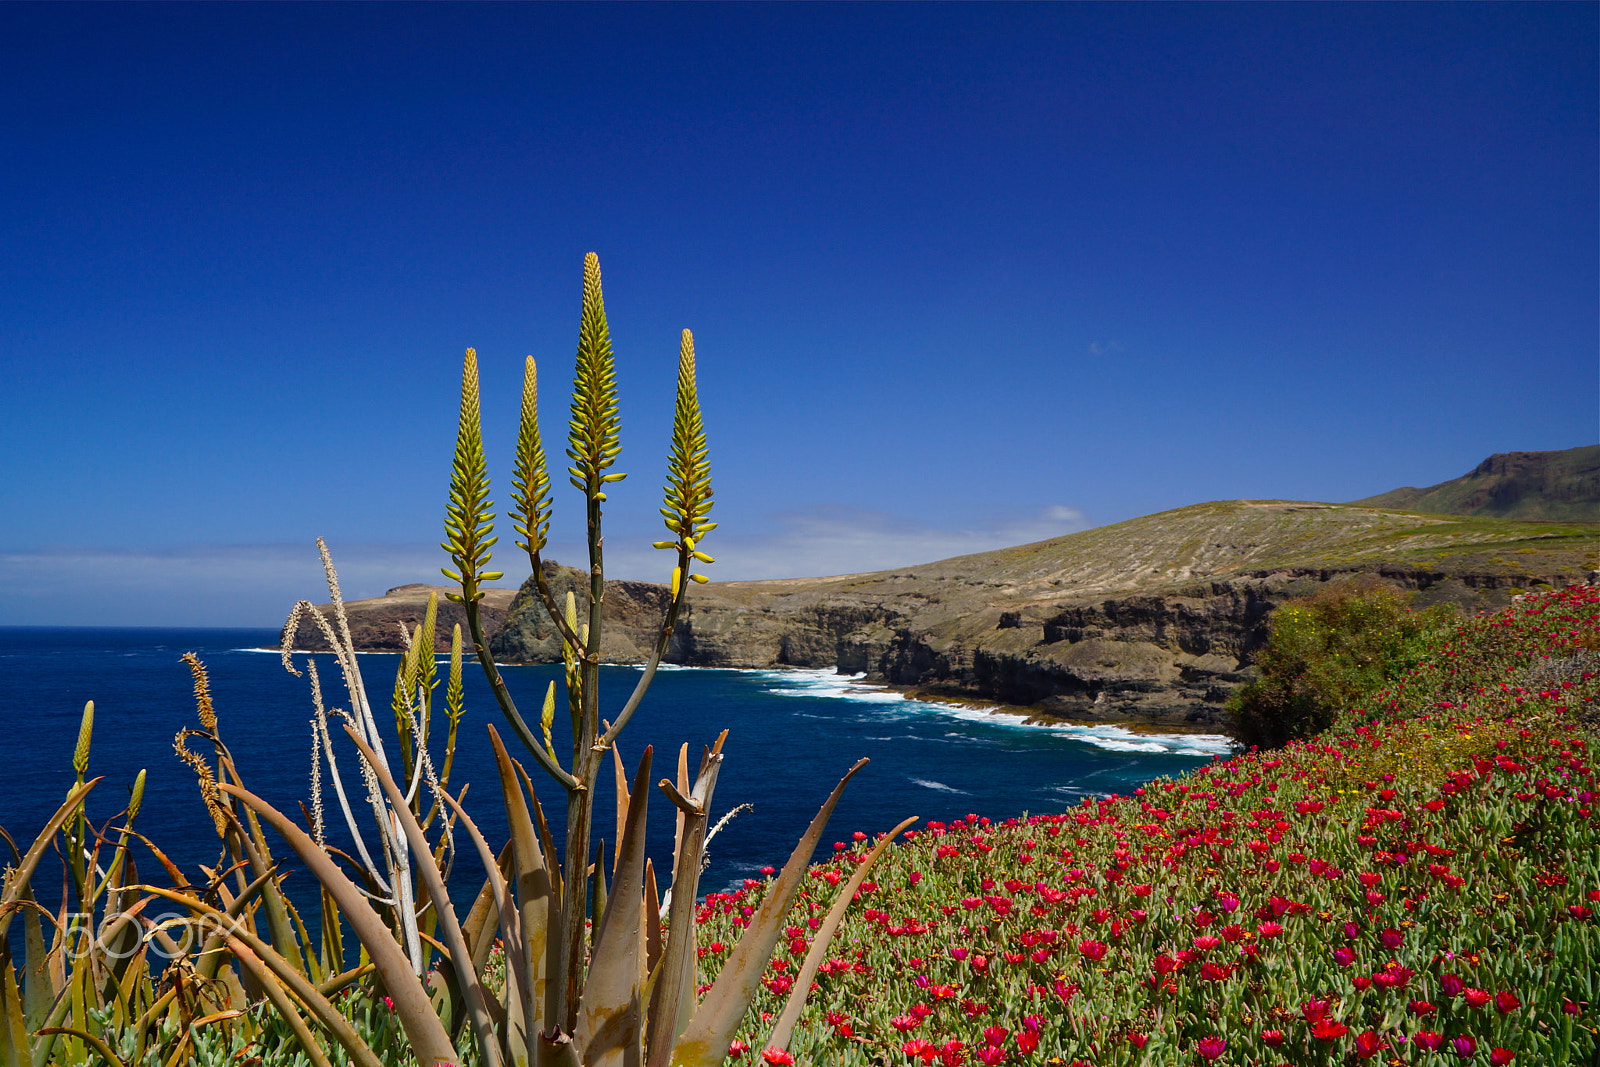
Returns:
(829, 684)
(939, 787)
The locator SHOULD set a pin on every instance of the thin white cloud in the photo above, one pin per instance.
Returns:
(834, 540)
(255, 585)
(195, 585)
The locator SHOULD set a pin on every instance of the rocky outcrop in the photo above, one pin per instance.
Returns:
(376, 622)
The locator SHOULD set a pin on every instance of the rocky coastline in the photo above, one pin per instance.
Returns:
(1147, 625)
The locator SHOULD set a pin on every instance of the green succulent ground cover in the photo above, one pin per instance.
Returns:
(1417, 885)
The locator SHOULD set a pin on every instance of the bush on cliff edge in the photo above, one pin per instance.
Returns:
(1326, 652)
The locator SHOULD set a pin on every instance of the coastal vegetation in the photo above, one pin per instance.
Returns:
(1324, 653)
(1410, 878)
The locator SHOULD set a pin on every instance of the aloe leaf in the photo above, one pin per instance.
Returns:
(14, 1050)
(38, 992)
(672, 997)
(652, 919)
(93, 1041)
(610, 1014)
(819, 945)
(460, 955)
(246, 947)
(622, 803)
(597, 898)
(17, 880)
(521, 1007)
(422, 1027)
(705, 1042)
(281, 1001)
(540, 911)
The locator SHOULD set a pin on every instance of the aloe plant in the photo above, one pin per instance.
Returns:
(590, 975)
(85, 986)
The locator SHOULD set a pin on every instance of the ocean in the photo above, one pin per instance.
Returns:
(792, 734)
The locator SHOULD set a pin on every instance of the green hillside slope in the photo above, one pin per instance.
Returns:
(1512, 485)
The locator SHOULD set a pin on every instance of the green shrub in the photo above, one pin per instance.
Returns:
(1325, 653)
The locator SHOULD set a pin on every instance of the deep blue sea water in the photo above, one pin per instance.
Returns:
(792, 734)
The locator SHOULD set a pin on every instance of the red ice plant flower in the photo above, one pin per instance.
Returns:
(1211, 1047)
(777, 1057)
(1329, 1030)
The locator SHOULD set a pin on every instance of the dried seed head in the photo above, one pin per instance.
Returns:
(202, 692)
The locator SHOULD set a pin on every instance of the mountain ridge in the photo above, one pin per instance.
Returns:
(1561, 484)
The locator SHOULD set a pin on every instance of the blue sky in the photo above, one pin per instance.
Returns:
(960, 276)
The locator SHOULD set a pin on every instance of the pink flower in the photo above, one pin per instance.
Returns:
(991, 1055)
(1344, 956)
(1210, 1047)
(1451, 986)
(1463, 1046)
(1272, 1038)
(777, 1057)
(737, 1048)
(1428, 1040)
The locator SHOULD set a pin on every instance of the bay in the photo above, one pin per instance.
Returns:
(792, 733)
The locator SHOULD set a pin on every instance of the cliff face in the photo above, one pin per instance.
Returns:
(375, 622)
(1156, 619)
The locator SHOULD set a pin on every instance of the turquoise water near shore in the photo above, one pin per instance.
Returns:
(792, 734)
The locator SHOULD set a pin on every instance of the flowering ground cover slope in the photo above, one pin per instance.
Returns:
(1417, 885)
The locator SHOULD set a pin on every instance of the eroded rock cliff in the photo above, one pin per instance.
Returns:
(1153, 620)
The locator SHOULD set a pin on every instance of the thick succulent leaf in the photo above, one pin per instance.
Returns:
(652, 919)
(38, 991)
(243, 943)
(14, 1044)
(610, 1012)
(539, 911)
(705, 1042)
(18, 879)
(521, 1008)
(819, 945)
(460, 955)
(94, 1041)
(280, 1000)
(428, 1039)
(672, 997)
